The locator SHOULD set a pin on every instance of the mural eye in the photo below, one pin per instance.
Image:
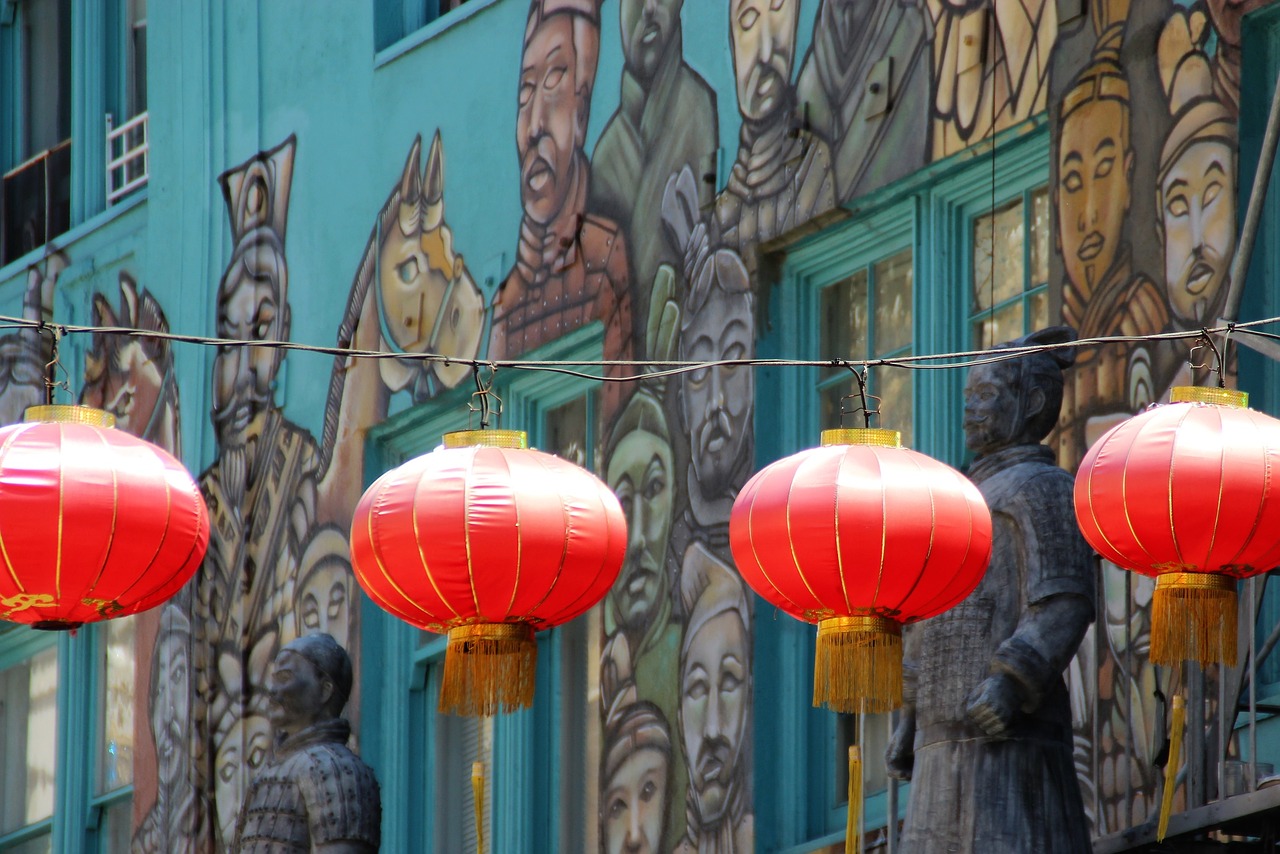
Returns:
(648, 791)
(617, 807)
(698, 377)
(729, 682)
(1073, 182)
(408, 270)
(654, 487)
(554, 76)
(1178, 206)
(310, 612)
(697, 689)
(227, 771)
(736, 350)
(1105, 165)
(526, 94)
(777, 5)
(256, 757)
(748, 19)
(1211, 193)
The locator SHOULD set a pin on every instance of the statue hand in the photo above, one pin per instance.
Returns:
(900, 756)
(993, 704)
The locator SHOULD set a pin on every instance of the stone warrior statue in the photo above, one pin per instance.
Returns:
(315, 795)
(986, 736)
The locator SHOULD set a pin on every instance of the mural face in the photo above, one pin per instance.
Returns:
(636, 802)
(249, 309)
(171, 706)
(243, 749)
(717, 402)
(713, 709)
(639, 472)
(648, 28)
(1198, 230)
(552, 119)
(763, 35)
(1092, 196)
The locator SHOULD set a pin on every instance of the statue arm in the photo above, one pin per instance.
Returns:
(899, 756)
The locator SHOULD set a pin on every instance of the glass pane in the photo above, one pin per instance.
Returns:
(844, 320)
(461, 742)
(874, 740)
(998, 271)
(1039, 306)
(894, 385)
(566, 434)
(115, 706)
(1004, 325)
(893, 303)
(115, 827)
(28, 735)
(580, 732)
(1040, 237)
(39, 845)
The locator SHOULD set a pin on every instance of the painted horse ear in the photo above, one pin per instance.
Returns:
(410, 182)
(433, 192)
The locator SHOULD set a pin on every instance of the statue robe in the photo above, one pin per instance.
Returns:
(971, 792)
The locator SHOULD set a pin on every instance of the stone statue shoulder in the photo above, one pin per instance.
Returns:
(342, 796)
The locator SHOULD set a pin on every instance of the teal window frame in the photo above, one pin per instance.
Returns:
(99, 85)
(392, 37)
(76, 824)
(1258, 374)
(932, 212)
(528, 813)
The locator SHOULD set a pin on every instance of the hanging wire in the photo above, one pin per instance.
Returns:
(53, 366)
(1203, 341)
(648, 369)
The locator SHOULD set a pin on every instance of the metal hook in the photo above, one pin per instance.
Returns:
(861, 396)
(52, 366)
(484, 391)
(1201, 342)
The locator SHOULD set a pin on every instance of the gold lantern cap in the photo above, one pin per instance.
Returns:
(1202, 394)
(487, 439)
(60, 413)
(862, 436)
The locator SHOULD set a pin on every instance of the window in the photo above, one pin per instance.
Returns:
(932, 264)
(66, 739)
(395, 19)
(541, 765)
(1010, 293)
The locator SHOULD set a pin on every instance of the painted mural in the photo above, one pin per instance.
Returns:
(639, 233)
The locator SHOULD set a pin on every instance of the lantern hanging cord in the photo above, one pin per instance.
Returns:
(861, 377)
(483, 393)
(51, 367)
(650, 369)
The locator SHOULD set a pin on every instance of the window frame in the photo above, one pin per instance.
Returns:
(76, 824)
(932, 211)
(397, 730)
(391, 40)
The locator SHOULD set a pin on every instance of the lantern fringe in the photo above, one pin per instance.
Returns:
(489, 668)
(854, 817)
(1193, 619)
(1171, 767)
(857, 667)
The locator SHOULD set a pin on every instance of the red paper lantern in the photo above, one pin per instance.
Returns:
(94, 523)
(1186, 493)
(860, 536)
(487, 540)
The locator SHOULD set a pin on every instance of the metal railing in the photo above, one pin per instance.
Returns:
(127, 157)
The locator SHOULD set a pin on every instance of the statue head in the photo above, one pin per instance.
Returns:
(635, 777)
(1095, 166)
(1017, 401)
(715, 688)
(649, 29)
(763, 36)
(639, 470)
(557, 74)
(310, 682)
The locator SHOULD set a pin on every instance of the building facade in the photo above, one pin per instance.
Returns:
(594, 181)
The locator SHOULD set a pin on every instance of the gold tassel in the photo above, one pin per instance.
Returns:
(854, 819)
(857, 667)
(1171, 767)
(477, 795)
(489, 668)
(1194, 619)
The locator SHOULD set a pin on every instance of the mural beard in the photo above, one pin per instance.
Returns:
(713, 777)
